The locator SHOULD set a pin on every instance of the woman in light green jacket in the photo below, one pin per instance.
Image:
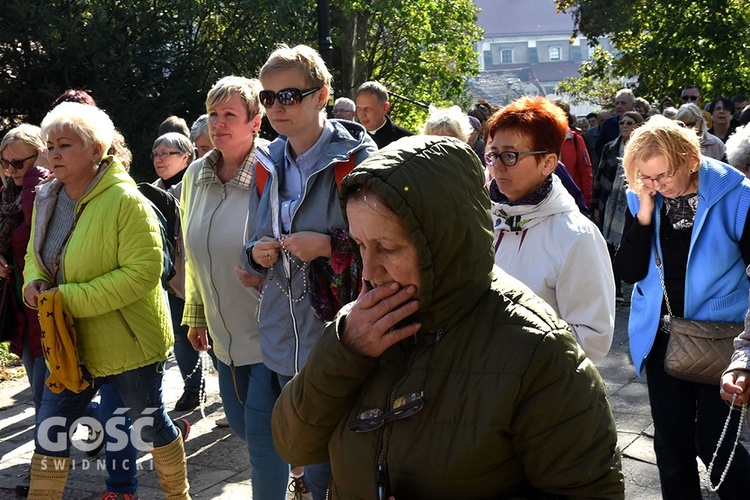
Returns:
(97, 240)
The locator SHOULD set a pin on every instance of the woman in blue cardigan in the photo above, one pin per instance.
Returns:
(692, 210)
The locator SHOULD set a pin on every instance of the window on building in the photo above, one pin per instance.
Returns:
(506, 56)
(555, 54)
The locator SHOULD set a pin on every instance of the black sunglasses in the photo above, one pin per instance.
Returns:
(404, 407)
(17, 164)
(687, 98)
(508, 158)
(287, 97)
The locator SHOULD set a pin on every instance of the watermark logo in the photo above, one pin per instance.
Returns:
(57, 464)
(52, 437)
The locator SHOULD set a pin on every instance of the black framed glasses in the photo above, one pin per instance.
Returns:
(508, 158)
(165, 155)
(627, 122)
(687, 98)
(16, 164)
(286, 97)
(403, 407)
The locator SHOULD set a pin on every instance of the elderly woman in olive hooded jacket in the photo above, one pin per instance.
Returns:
(443, 352)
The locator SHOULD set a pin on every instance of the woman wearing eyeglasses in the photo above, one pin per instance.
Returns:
(447, 378)
(692, 117)
(298, 226)
(219, 297)
(171, 154)
(540, 236)
(21, 173)
(693, 212)
(722, 116)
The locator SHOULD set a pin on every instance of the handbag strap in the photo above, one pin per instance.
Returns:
(660, 268)
(56, 266)
(743, 414)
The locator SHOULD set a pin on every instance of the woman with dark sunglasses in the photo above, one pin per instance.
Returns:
(446, 378)
(298, 228)
(21, 173)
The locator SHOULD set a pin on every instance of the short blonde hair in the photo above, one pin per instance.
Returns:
(303, 58)
(89, 123)
(449, 122)
(247, 88)
(660, 136)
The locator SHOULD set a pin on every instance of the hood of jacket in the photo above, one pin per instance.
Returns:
(519, 217)
(436, 186)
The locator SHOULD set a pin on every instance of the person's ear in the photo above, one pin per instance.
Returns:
(387, 107)
(323, 97)
(550, 163)
(256, 121)
(96, 152)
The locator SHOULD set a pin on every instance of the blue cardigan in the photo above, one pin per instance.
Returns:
(716, 284)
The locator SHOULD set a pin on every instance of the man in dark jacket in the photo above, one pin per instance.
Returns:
(610, 129)
(372, 113)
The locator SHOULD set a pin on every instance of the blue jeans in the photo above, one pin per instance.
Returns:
(248, 395)
(184, 354)
(140, 390)
(688, 419)
(121, 463)
(317, 476)
(36, 371)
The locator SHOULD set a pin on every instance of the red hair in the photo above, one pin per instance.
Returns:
(537, 118)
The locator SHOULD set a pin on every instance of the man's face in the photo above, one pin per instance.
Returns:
(370, 111)
(691, 95)
(342, 112)
(738, 107)
(623, 104)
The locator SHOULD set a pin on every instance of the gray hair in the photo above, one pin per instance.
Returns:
(199, 128)
(691, 110)
(375, 88)
(738, 148)
(345, 103)
(179, 142)
(450, 122)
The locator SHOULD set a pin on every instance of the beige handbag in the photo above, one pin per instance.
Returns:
(697, 351)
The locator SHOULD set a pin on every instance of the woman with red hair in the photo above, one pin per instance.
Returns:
(541, 237)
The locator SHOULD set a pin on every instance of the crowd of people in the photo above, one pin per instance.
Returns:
(390, 314)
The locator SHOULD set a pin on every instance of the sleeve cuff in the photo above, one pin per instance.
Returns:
(194, 316)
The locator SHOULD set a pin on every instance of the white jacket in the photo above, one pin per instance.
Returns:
(563, 258)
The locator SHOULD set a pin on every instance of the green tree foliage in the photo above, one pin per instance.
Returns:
(672, 43)
(596, 83)
(421, 49)
(143, 60)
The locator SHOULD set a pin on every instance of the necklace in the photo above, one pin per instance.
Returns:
(286, 290)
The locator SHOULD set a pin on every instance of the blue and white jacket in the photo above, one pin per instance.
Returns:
(716, 284)
(288, 325)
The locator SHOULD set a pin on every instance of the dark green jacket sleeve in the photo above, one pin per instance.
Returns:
(313, 403)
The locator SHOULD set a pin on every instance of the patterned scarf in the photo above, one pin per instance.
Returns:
(11, 214)
(533, 198)
(681, 210)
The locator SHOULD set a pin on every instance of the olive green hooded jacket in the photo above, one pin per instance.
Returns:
(513, 408)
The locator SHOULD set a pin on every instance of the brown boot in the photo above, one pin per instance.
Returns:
(48, 477)
(171, 466)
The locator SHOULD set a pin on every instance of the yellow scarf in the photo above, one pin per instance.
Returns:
(60, 344)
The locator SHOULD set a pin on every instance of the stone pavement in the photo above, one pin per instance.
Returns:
(218, 465)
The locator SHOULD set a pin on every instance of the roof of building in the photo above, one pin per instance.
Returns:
(527, 17)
